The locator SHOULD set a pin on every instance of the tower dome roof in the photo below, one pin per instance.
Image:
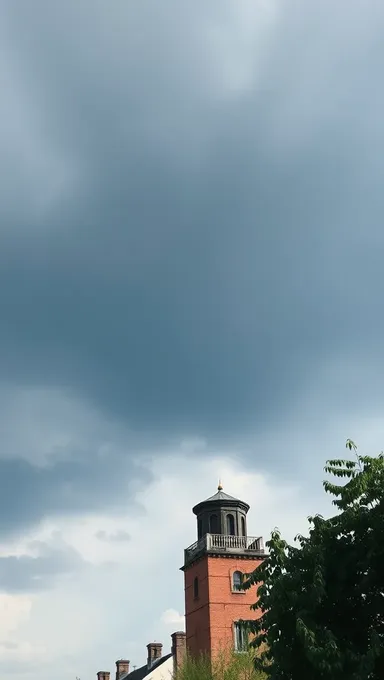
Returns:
(220, 498)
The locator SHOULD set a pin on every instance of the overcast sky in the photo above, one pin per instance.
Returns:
(191, 287)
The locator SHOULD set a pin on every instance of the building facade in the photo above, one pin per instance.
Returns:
(214, 568)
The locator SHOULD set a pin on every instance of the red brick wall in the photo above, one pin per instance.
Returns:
(209, 619)
(227, 606)
(197, 610)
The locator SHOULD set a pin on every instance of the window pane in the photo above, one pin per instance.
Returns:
(199, 528)
(230, 525)
(214, 524)
(241, 637)
(237, 580)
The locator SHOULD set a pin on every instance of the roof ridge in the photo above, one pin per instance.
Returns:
(221, 495)
(142, 672)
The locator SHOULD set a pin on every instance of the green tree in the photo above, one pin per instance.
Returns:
(226, 666)
(321, 601)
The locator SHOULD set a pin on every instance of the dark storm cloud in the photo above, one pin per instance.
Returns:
(179, 253)
(28, 574)
(28, 493)
(58, 456)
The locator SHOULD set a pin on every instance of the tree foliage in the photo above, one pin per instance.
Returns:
(322, 600)
(226, 666)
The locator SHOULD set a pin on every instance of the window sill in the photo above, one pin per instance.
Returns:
(238, 592)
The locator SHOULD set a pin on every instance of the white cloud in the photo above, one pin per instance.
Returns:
(22, 653)
(173, 618)
(15, 613)
(14, 610)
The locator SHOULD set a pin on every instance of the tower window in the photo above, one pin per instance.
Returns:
(214, 524)
(241, 636)
(243, 526)
(199, 528)
(230, 525)
(237, 580)
(196, 588)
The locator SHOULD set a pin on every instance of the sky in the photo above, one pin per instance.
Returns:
(191, 251)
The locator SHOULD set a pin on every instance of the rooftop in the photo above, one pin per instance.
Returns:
(220, 497)
(143, 671)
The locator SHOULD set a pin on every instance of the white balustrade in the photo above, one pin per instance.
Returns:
(223, 543)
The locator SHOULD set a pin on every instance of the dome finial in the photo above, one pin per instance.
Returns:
(220, 486)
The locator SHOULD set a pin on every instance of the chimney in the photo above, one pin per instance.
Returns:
(122, 668)
(179, 648)
(154, 653)
(103, 675)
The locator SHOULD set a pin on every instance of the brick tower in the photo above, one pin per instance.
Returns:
(213, 570)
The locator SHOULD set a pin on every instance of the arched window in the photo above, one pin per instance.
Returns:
(237, 580)
(196, 588)
(243, 526)
(199, 528)
(214, 524)
(230, 525)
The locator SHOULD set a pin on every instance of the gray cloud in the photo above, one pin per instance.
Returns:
(58, 457)
(182, 255)
(8, 644)
(117, 537)
(25, 573)
(29, 494)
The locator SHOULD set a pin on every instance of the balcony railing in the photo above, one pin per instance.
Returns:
(219, 543)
